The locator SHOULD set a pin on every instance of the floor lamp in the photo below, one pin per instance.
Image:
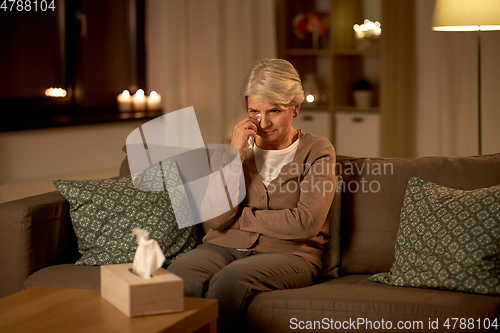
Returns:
(468, 15)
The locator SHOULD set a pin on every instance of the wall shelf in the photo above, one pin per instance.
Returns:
(389, 63)
(356, 52)
(309, 52)
(340, 63)
(355, 109)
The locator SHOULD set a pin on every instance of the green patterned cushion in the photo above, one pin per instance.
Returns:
(105, 211)
(448, 239)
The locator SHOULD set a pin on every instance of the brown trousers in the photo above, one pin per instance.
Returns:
(234, 277)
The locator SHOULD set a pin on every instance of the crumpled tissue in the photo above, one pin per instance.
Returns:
(148, 257)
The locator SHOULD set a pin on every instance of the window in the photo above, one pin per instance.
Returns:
(91, 49)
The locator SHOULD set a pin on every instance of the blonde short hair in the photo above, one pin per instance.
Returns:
(273, 81)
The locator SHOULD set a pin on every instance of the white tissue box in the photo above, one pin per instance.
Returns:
(135, 296)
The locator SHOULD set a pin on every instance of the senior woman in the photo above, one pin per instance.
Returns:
(273, 239)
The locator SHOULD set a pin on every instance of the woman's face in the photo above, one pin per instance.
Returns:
(275, 130)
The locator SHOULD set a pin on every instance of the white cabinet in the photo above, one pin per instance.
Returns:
(357, 133)
(314, 122)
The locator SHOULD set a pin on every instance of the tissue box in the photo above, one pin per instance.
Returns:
(135, 296)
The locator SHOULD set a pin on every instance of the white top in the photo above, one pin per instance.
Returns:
(270, 162)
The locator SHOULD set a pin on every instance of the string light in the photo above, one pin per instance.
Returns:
(368, 29)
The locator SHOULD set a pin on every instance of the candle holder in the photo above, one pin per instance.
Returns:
(139, 101)
(154, 101)
(311, 90)
(124, 101)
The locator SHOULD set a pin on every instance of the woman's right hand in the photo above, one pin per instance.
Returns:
(242, 130)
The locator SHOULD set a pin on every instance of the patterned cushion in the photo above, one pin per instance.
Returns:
(448, 239)
(105, 211)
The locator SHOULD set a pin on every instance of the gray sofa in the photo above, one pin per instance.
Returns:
(38, 247)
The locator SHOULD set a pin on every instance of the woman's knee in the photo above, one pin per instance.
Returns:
(229, 281)
(197, 267)
(180, 266)
(176, 268)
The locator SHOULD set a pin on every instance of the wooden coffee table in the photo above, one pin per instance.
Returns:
(43, 309)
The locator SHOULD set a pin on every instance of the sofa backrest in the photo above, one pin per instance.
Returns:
(372, 197)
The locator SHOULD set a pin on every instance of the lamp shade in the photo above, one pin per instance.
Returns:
(466, 15)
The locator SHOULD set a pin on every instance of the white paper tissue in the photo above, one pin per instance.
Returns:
(148, 257)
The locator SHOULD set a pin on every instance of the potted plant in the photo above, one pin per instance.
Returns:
(363, 93)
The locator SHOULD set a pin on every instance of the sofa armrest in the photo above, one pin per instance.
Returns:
(35, 232)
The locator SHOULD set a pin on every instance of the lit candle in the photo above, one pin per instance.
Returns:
(124, 102)
(139, 100)
(154, 101)
(55, 92)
